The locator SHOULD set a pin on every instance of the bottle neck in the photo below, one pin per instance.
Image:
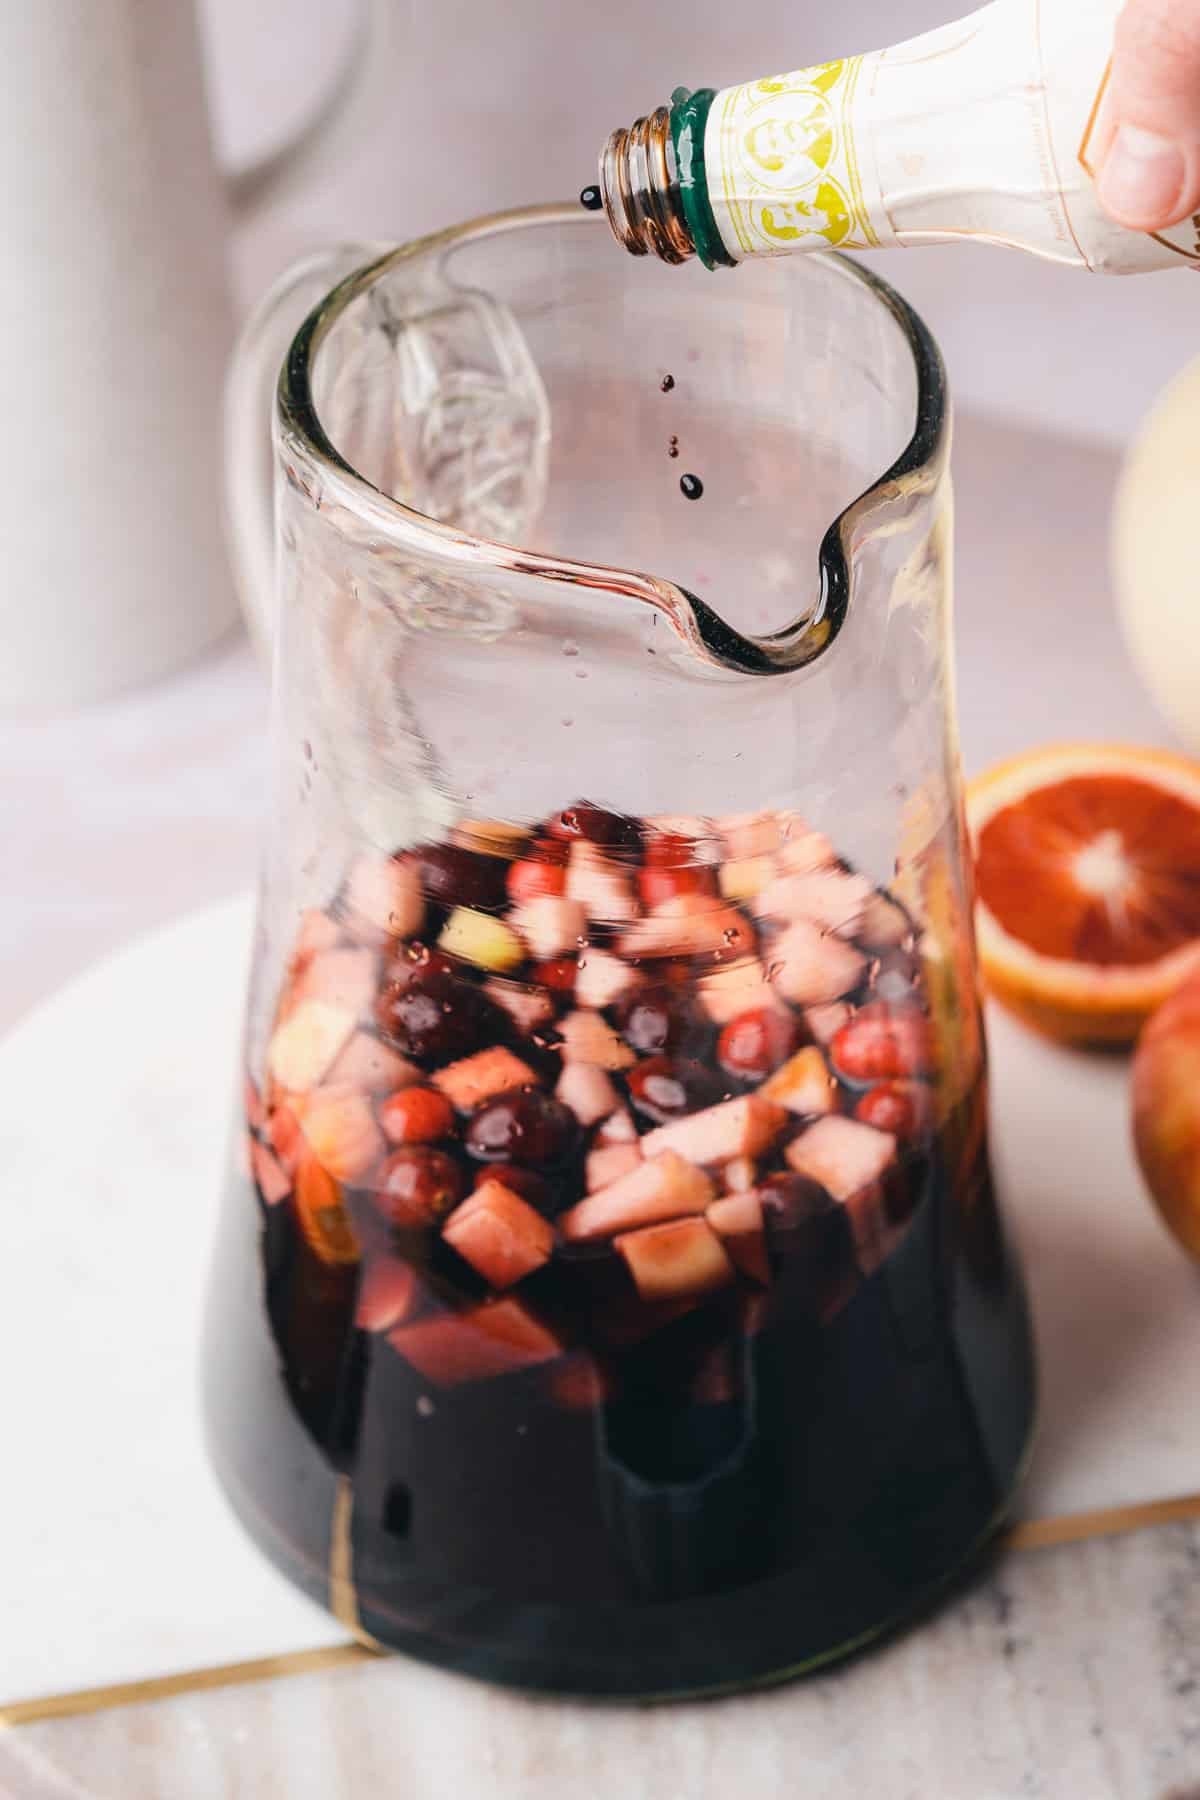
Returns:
(981, 129)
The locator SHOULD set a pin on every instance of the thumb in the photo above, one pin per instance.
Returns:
(1150, 177)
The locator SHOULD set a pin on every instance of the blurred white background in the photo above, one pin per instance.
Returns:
(489, 104)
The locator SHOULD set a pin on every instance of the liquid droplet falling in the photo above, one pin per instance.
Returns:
(667, 383)
(673, 447)
(691, 487)
(570, 649)
(590, 198)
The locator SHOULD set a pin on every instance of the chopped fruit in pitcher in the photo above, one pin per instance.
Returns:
(904, 1108)
(587, 1037)
(388, 1294)
(499, 1234)
(664, 1088)
(371, 1065)
(608, 1162)
(738, 1222)
(643, 1090)
(274, 1184)
(416, 1115)
(742, 1127)
(663, 1188)
(478, 938)
(883, 1043)
(676, 1260)
(804, 1084)
(841, 1154)
(418, 1186)
(382, 899)
(525, 1127)
(755, 1042)
(467, 1084)
(602, 979)
(497, 1338)
(588, 1092)
(812, 965)
(304, 1046)
(551, 925)
(340, 1130)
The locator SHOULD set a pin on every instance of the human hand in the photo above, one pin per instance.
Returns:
(1150, 175)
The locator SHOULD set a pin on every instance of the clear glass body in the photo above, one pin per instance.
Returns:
(610, 1294)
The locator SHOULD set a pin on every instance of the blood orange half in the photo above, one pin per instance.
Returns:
(1087, 860)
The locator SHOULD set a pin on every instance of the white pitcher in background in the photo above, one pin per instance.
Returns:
(115, 327)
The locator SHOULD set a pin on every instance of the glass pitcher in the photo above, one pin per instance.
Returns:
(610, 1295)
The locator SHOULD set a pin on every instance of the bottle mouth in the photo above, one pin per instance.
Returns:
(639, 184)
(386, 525)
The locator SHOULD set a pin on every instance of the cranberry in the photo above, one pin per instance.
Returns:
(526, 1127)
(429, 1015)
(418, 1186)
(416, 1115)
(455, 876)
(670, 869)
(652, 1020)
(524, 1182)
(557, 975)
(542, 870)
(902, 1107)
(663, 1089)
(881, 1043)
(756, 1042)
(611, 830)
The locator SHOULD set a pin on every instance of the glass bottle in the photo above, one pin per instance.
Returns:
(611, 1296)
(989, 128)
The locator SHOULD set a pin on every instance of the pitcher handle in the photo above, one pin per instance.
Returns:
(249, 412)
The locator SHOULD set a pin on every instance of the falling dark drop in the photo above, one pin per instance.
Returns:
(673, 447)
(667, 383)
(691, 486)
(590, 197)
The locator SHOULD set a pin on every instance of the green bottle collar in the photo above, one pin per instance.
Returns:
(689, 115)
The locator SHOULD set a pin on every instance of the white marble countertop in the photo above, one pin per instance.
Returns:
(1070, 1672)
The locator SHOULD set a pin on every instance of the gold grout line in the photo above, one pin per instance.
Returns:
(1032, 1534)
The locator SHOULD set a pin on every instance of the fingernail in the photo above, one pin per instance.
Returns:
(1142, 177)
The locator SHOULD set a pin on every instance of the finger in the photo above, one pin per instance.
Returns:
(1150, 177)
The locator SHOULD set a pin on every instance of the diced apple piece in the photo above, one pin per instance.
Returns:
(663, 1188)
(602, 978)
(738, 1222)
(339, 1128)
(689, 925)
(676, 1260)
(492, 837)
(608, 1162)
(698, 831)
(304, 1046)
(388, 1294)
(749, 834)
(587, 1037)
(735, 988)
(803, 850)
(373, 1066)
(494, 1339)
(588, 1092)
(480, 939)
(499, 1234)
(467, 1084)
(551, 925)
(273, 1182)
(345, 977)
(322, 1215)
(885, 924)
(841, 1154)
(811, 966)
(739, 1175)
(742, 1127)
(803, 1084)
(382, 899)
(600, 885)
(618, 1128)
(824, 1022)
(829, 897)
(529, 1008)
(745, 876)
